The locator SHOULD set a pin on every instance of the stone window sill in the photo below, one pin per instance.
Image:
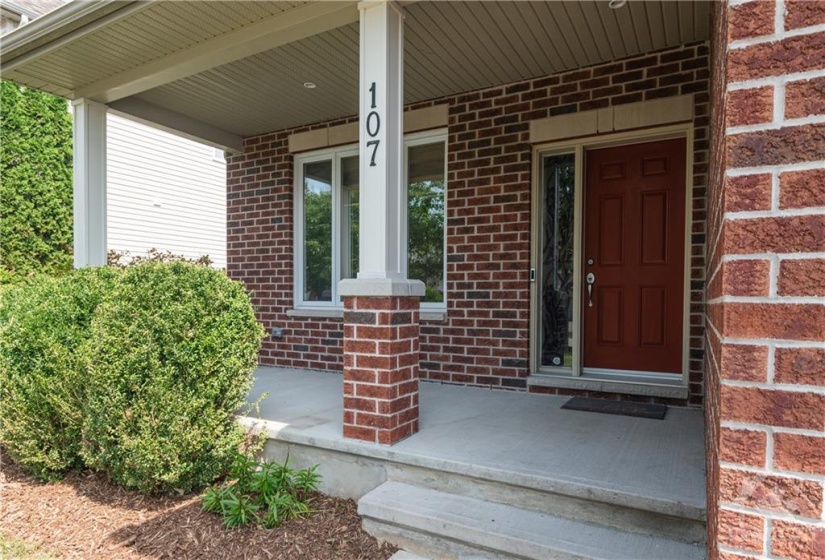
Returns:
(430, 316)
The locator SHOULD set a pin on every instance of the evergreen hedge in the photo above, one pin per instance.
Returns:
(171, 356)
(35, 183)
(44, 322)
(138, 372)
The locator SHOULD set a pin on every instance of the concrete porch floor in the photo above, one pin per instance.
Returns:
(657, 465)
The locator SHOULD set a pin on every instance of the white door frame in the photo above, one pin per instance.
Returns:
(543, 375)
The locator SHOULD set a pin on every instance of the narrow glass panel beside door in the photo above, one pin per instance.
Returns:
(558, 231)
(349, 217)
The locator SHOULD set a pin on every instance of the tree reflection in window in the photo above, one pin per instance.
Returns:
(318, 231)
(325, 250)
(425, 198)
(557, 260)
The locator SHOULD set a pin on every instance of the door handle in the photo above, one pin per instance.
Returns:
(591, 279)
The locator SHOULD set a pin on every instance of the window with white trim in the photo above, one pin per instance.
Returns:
(326, 220)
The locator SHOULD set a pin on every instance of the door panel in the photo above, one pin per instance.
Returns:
(609, 299)
(611, 229)
(634, 236)
(654, 227)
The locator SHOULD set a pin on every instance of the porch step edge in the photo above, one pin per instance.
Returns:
(576, 488)
(617, 516)
(398, 511)
(405, 555)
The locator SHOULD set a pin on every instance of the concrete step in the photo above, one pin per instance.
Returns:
(405, 555)
(440, 524)
(631, 512)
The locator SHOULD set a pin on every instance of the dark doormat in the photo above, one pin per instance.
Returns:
(623, 408)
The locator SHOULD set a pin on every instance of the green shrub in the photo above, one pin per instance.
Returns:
(44, 323)
(123, 259)
(171, 357)
(267, 493)
(35, 182)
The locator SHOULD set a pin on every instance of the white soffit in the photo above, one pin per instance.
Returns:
(153, 31)
(450, 47)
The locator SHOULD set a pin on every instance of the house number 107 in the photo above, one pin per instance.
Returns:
(373, 126)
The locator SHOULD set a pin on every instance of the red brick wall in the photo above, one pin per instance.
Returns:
(766, 291)
(484, 340)
(715, 203)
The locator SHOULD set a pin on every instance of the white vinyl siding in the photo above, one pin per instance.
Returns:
(164, 192)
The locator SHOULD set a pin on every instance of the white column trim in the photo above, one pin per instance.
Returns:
(381, 141)
(383, 200)
(89, 139)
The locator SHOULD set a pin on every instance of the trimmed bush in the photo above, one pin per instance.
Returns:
(35, 183)
(44, 323)
(171, 359)
(123, 259)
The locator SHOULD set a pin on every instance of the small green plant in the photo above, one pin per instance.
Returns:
(238, 509)
(266, 492)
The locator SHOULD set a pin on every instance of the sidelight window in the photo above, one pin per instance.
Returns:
(558, 193)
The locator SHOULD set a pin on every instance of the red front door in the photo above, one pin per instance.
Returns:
(634, 257)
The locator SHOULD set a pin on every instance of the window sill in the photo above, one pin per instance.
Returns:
(430, 316)
(331, 313)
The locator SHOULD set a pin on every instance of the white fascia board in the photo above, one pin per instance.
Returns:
(16, 9)
(287, 27)
(62, 26)
(147, 113)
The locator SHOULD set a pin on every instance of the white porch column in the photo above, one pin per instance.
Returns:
(383, 213)
(381, 350)
(89, 127)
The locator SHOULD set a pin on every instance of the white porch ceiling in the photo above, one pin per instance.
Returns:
(450, 47)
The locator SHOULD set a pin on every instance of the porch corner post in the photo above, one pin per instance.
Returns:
(381, 352)
(89, 154)
(765, 360)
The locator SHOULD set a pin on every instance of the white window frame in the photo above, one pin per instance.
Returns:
(336, 154)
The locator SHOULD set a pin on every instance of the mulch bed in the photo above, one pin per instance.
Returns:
(86, 516)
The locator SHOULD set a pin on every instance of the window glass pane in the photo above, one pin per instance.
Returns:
(557, 261)
(425, 194)
(349, 217)
(318, 231)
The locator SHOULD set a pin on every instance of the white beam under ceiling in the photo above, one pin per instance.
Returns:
(275, 31)
(147, 113)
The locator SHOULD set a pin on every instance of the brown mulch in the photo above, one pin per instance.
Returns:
(86, 516)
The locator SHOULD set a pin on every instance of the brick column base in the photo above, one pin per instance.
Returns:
(380, 368)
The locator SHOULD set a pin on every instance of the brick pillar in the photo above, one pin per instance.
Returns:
(381, 304)
(766, 282)
(380, 368)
